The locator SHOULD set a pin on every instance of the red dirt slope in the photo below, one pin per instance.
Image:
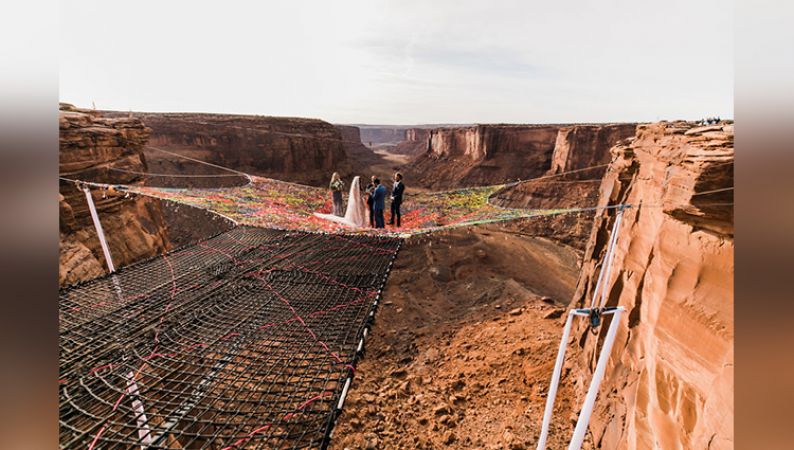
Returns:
(461, 352)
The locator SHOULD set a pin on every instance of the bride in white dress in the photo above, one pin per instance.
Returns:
(356, 213)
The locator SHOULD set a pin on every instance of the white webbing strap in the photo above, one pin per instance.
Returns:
(606, 265)
(555, 382)
(600, 292)
(598, 375)
(592, 391)
(144, 432)
(98, 227)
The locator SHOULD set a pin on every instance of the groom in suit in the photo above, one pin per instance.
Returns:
(369, 189)
(396, 198)
(378, 203)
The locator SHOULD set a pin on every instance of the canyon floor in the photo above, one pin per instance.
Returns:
(463, 346)
(383, 162)
(389, 161)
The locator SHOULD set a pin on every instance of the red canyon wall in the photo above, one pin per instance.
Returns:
(293, 149)
(484, 154)
(134, 227)
(581, 146)
(669, 382)
(360, 156)
(576, 147)
(415, 143)
(350, 135)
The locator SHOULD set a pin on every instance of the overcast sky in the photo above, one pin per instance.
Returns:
(403, 62)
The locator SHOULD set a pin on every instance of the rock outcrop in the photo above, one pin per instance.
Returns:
(669, 382)
(361, 157)
(415, 143)
(351, 136)
(293, 149)
(484, 154)
(134, 227)
(577, 147)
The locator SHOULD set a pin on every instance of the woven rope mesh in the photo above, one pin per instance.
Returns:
(244, 340)
(277, 204)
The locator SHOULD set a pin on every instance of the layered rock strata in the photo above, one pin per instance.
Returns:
(580, 147)
(669, 382)
(293, 149)
(580, 153)
(361, 157)
(134, 227)
(415, 143)
(484, 154)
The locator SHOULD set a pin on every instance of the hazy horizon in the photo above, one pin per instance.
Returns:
(403, 63)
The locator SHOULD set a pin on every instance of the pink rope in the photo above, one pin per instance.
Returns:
(187, 348)
(306, 327)
(115, 407)
(174, 290)
(361, 244)
(287, 416)
(154, 350)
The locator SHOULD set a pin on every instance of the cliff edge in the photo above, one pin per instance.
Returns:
(581, 153)
(293, 149)
(669, 382)
(134, 227)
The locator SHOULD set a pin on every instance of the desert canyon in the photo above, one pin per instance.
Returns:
(463, 346)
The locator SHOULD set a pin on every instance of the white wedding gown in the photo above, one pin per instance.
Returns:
(356, 213)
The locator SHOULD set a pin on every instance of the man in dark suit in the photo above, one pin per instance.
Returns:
(378, 203)
(397, 190)
(370, 187)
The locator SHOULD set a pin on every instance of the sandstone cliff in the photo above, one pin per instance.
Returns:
(361, 157)
(292, 149)
(669, 383)
(580, 146)
(415, 143)
(134, 227)
(484, 154)
(350, 135)
(576, 147)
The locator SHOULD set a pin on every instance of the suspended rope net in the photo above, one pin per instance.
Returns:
(270, 203)
(250, 339)
(245, 340)
(275, 204)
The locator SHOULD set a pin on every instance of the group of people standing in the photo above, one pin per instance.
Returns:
(710, 121)
(366, 206)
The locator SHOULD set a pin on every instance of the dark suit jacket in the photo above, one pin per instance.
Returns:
(370, 187)
(378, 198)
(397, 192)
